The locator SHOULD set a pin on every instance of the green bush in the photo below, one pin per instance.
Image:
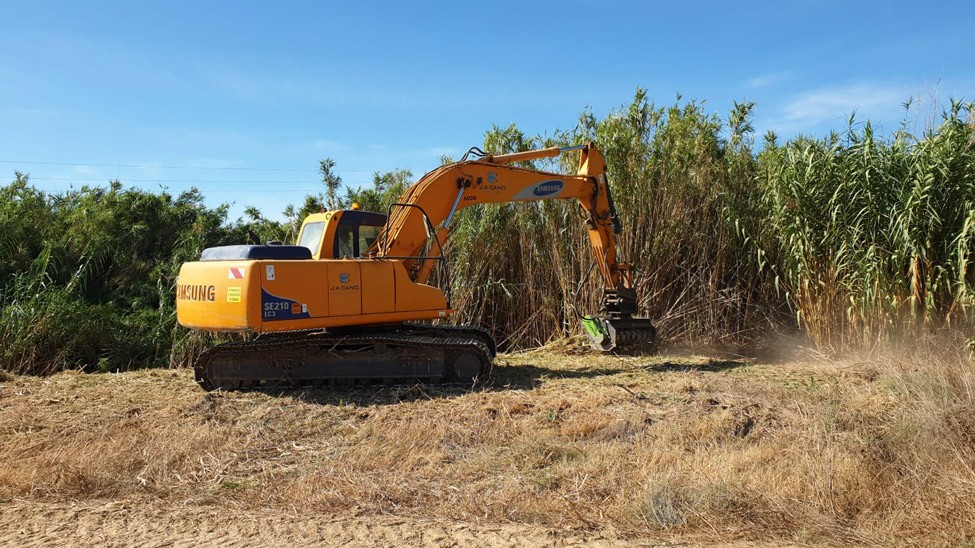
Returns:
(854, 238)
(88, 275)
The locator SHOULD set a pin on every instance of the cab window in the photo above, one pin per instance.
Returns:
(345, 241)
(356, 232)
(311, 236)
(367, 236)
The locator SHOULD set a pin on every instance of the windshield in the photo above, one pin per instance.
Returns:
(311, 236)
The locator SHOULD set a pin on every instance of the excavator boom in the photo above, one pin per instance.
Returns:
(493, 179)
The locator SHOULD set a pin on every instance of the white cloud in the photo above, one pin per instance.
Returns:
(767, 80)
(332, 147)
(381, 157)
(85, 171)
(28, 112)
(437, 152)
(835, 104)
(264, 87)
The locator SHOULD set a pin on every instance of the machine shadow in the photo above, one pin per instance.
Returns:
(504, 378)
(524, 377)
(712, 366)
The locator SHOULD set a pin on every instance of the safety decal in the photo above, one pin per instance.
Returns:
(235, 273)
(269, 271)
(233, 294)
(279, 308)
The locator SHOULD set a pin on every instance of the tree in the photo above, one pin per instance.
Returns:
(332, 182)
(386, 188)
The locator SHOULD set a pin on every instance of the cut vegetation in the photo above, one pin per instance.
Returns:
(594, 447)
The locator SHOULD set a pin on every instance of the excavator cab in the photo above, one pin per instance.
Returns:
(341, 234)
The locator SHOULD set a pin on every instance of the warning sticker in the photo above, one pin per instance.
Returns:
(269, 270)
(233, 294)
(235, 273)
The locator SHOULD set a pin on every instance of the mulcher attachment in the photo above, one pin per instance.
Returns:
(625, 336)
(619, 331)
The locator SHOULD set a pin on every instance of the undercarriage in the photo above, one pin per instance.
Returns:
(391, 355)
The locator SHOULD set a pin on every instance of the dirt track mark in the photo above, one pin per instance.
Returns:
(27, 524)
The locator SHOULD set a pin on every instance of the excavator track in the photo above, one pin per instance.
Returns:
(392, 355)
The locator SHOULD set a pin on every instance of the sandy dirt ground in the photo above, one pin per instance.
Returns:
(138, 523)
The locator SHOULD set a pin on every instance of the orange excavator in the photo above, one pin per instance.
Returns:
(350, 302)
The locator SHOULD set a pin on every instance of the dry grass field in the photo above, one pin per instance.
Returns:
(562, 448)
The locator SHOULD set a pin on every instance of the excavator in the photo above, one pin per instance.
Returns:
(352, 301)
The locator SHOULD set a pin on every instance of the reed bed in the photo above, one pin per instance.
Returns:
(854, 240)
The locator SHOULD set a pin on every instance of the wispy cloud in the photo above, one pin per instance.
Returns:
(833, 104)
(767, 80)
(356, 163)
(86, 171)
(330, 146)
(278, 87)
(355, 88)
(85, 62)
(453, 152)
(258, 86)
(28, 113)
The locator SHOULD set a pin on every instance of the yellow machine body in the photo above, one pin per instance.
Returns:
(266, 295)
(271, 295)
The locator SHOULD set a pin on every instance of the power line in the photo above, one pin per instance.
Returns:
(214, 168)
(316, 184)
(303, 191)
(238, 191)
(186, 181)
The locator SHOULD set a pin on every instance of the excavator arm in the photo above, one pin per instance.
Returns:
(419, 224)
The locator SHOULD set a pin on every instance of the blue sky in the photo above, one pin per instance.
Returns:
(242, 99)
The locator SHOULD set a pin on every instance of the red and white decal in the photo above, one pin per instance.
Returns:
(235, 273)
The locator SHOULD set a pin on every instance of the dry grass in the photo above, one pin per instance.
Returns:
(877, 451)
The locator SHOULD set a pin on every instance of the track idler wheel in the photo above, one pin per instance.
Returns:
(468, 366)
